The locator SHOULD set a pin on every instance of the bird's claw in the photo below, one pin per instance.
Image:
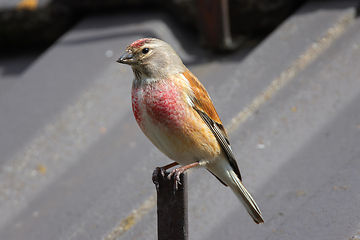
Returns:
(155, 176)
(176, 172)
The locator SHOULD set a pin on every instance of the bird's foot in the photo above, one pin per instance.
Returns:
(176, 172)
(155, 176)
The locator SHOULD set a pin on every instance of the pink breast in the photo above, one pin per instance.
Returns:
(161, 102)
(136, 104)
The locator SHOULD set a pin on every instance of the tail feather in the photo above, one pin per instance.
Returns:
(245, 197)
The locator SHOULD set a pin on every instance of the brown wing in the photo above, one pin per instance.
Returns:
(202, 98)
(206, 109)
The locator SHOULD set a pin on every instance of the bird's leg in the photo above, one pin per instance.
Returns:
(162, 171)
(176, 172)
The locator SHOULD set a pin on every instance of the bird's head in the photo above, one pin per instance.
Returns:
(152, 58)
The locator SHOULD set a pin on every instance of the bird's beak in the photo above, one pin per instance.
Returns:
(126, 58)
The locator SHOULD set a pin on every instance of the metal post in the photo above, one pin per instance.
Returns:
(172, 207)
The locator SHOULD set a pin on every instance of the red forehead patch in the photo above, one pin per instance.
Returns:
(139, 43)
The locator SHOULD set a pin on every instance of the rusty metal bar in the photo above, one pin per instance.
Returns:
(214, 22)
(172, 207)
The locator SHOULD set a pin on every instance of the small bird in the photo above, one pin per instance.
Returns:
(175, 112)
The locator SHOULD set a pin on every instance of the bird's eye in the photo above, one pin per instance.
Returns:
(145, 50)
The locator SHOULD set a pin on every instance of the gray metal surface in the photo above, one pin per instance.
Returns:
(76, 166)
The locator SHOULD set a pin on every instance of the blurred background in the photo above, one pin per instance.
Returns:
(283, 76)
(38, 23)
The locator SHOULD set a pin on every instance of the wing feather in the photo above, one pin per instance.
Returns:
(205, 108)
